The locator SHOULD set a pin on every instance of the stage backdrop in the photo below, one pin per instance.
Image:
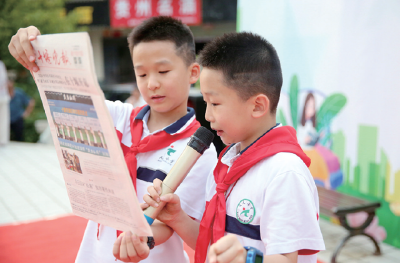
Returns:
(341, 91)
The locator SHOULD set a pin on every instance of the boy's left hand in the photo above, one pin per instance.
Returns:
(131, 248)
(227, 249)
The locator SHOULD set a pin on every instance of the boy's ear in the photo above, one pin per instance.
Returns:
(261, 105)
(194, 72)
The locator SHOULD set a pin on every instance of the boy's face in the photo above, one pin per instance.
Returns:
(162, 76)
(227, 113)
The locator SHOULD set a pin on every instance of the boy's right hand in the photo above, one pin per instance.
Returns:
(21, 48)
(172, 209)
(130, 248)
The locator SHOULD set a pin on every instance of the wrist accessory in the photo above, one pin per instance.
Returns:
(253, 255)
(150, 242)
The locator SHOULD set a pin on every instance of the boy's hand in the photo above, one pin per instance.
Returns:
(171, 211)
(227, 249)
(143, 206)
(131, 248)
(21, 48)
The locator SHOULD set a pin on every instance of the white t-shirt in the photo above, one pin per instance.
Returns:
(274, 206)
(151, 165)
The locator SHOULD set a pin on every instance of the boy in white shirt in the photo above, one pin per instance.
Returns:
(153, 136)
(261, 193)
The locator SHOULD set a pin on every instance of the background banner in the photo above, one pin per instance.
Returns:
(341, 91)
(130, 13)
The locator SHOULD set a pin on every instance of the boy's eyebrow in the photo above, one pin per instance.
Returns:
(208, 93)
(160, 62)
(164, 61)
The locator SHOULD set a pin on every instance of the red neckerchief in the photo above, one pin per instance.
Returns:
(212, 226)
(152, 142)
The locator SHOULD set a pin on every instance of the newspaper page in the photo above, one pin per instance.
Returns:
(95, 173)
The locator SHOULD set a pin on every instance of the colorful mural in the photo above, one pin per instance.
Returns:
(330, 166)
(341, 93)
(313, 131)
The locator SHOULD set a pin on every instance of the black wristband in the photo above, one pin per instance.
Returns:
(150, 242)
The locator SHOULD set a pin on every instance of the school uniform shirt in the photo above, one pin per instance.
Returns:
(274, 206)
(151, 165)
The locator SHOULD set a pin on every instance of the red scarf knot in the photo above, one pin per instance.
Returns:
(222, 187)
(133, 150)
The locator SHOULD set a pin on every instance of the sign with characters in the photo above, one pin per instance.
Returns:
(130, 13)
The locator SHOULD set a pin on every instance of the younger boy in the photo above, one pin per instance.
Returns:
(152, 137)
(261, 189)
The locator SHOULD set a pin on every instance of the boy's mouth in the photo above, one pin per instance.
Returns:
(219, 132)
(157, 98)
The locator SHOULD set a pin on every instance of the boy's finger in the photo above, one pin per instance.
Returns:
(26, 36)
(14, 53)
(33, 32)
(20, 54)
(143, 206)
(123, 254)
(116, 246)
(131, 246)
(232, 254)
(212, 255)
(28, 54)
(141, 247)
(150, 201)
(170, 198)
(226, 242)
(157, 185)
(153, 193)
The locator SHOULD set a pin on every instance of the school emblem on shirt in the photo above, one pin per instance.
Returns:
(168, 157)
(170, 151)
(245, 211)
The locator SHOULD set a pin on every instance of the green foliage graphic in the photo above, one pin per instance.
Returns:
(329, 109)
(281, 117)
(294, 97)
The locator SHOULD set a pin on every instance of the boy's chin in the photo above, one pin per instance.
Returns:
(226, 141)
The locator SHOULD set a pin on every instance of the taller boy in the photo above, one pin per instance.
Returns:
(152, 137)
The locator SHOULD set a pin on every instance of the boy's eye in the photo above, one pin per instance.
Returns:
(212, 104)
(143, 75)
(165, 71)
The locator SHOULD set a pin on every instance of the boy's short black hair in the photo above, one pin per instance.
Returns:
(165, 28)
(249, 63)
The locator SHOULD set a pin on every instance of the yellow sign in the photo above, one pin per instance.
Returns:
(85, 14)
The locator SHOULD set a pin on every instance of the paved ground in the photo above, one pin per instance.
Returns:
(32, 188)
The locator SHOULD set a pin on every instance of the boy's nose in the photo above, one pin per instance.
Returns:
(153, 84)
(208, 115)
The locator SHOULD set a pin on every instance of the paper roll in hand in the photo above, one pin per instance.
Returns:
(199, 142)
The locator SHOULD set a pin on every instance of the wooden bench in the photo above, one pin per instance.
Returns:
(335, 204)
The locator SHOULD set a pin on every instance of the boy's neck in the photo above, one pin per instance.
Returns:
(263, 127)
(160, 120)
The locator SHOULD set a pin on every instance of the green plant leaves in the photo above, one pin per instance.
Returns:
(281, 118)
(329, 109)
(293, 98)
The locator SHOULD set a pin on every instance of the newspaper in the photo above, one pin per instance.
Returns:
(95, 173)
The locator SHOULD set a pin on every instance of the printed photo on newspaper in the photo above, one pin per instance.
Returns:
(95, 173)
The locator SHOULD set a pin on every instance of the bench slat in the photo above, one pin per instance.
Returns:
(331, 202)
